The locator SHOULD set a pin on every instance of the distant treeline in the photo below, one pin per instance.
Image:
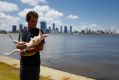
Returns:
(3, 31)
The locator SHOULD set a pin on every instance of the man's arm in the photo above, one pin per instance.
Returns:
(21, 46)
(32, 50)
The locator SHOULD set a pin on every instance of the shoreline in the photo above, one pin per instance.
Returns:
(45, 71)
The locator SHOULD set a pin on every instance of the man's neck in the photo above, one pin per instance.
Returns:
(29, 28)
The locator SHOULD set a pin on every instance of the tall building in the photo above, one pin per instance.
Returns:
(53, 26)
(43, 26)
(14, 28)
(49, 29)
(70, 29)
(20, 27)
(61, 29)
(65, 29)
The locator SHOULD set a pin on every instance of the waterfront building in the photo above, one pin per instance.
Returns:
(53, 26)
(49, 29)
(14, 28)
(61, 29)
(20, 27)
(70, 29)
(43, 26)
(65, 29)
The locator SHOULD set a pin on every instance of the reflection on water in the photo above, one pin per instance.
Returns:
(95, 56)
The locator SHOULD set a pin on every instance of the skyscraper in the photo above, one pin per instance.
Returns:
(60, 29)
(49, 29)
(20, 27)
(70, 29)
(65, 29)
(43, 26)
(14, 28)
(53, 26)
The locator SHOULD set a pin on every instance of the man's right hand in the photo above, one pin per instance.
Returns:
(20, 46)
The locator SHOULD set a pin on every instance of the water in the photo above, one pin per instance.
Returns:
(95, 56)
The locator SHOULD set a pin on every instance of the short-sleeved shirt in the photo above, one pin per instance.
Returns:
(33, 60)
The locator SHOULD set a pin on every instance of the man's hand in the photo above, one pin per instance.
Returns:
(29, 51)
(21, 46)
(25, 53)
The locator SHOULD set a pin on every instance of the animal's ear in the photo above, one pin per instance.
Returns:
(45, 35)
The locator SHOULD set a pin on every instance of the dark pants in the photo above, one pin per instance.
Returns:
(29, 72)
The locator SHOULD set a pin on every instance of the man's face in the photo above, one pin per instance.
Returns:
(32, 22)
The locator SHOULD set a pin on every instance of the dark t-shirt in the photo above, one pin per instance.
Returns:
(33, 60)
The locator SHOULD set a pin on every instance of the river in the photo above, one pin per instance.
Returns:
(95, 56)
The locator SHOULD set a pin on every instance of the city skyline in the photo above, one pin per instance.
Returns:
(81, 14)
(63, 29)
(44, 27)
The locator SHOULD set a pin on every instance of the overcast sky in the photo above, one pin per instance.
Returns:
(81, 14)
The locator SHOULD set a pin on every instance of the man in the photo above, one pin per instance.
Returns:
(30, 65)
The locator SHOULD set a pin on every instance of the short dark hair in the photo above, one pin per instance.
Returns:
(31, 13)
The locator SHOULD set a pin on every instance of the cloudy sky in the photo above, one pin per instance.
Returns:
(81, 14)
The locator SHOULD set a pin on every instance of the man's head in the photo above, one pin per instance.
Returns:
(32, 18)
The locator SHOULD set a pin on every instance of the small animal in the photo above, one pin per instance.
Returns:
(32, 43)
